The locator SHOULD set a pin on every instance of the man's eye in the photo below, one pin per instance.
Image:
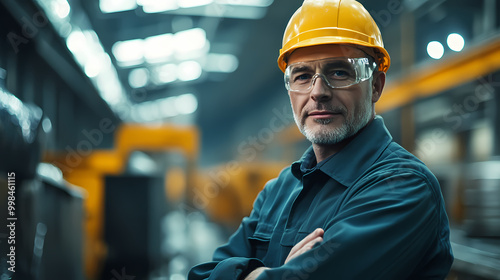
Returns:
(302, 78)
(339, 74)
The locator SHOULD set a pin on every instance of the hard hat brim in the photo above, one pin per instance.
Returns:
(383, 58)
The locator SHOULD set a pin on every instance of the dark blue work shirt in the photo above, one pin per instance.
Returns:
(381, 209)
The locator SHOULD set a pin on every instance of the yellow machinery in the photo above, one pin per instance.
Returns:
(89, 173)
(227, 192)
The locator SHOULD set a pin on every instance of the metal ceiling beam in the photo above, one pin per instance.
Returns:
(52, 49)
(440, 76)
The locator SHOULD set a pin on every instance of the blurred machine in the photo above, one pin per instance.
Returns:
(133, 210)
(108, 168)
(482, 199)
(46, 210)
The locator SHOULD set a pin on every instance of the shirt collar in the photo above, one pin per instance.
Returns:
(353, 160)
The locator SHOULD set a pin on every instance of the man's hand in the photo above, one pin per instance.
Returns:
(306, 244)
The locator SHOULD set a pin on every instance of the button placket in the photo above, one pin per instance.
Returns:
(298, 209)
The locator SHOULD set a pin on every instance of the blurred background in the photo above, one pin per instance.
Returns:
(137, 133)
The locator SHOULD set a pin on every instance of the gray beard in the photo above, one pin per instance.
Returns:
(329, 136)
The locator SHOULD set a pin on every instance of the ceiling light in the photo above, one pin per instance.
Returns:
(167, 107)
(84, 45)
(165, 74)
(190, 41)
(173, 106)
(187, 44)
(138, 78)
(61, 8)
(75, 41)
(129, 52)
(46, 125)
(147, 111)
(158, 48)
(189, 70)
(193, 3)
(455, 42)
(110, 88)
(225, 63)
(254, 3)
(186, 103)
(157, 6)
(94, 65)
(435, 50)
(114, 6)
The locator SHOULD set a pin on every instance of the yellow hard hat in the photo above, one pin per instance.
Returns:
(321, 22)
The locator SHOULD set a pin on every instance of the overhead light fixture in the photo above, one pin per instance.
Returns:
(147, 111)
(138, 78)
(61, 8)
(164, 74)
(95, 65)
(157, 6)
(189, 70)
(158, 48)
(164, 108)
(191, 43)
(193, 3)
(129, 53)
(90, 55)
(435, 50)
(167, 107)
(240, 9)
(114, 6)
(234, 11)
(75, 41)
(184, 45)
(225, 63)
(455, 42)
(186, 104)
(85, 46)
(253, 3)
(110, 88)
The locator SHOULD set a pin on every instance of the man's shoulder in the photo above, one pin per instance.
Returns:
(395, 161)
(284, 176)
(395, 156)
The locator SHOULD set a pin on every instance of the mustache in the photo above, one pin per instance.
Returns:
(325, 107)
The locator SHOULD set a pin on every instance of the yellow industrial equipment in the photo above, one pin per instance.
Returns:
(90, 171)
(227, 192)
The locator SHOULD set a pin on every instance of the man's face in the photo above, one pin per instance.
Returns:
(326, 115)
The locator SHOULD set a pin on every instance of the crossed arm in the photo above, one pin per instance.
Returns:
(373, 236)
(303, 246)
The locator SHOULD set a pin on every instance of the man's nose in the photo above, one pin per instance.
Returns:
(319, 88)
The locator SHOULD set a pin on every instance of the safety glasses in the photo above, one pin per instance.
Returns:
(339, 72)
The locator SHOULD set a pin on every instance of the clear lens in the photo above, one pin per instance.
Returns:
(336, 72)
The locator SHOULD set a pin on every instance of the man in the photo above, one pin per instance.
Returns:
(356, 205)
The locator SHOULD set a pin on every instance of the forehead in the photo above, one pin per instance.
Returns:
(324, 51)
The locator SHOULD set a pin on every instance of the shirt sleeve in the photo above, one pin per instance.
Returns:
(234, 259)
(382, 231)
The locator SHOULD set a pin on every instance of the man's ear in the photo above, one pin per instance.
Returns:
(378, 84)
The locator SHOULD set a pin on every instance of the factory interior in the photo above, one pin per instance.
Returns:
(136, 134)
